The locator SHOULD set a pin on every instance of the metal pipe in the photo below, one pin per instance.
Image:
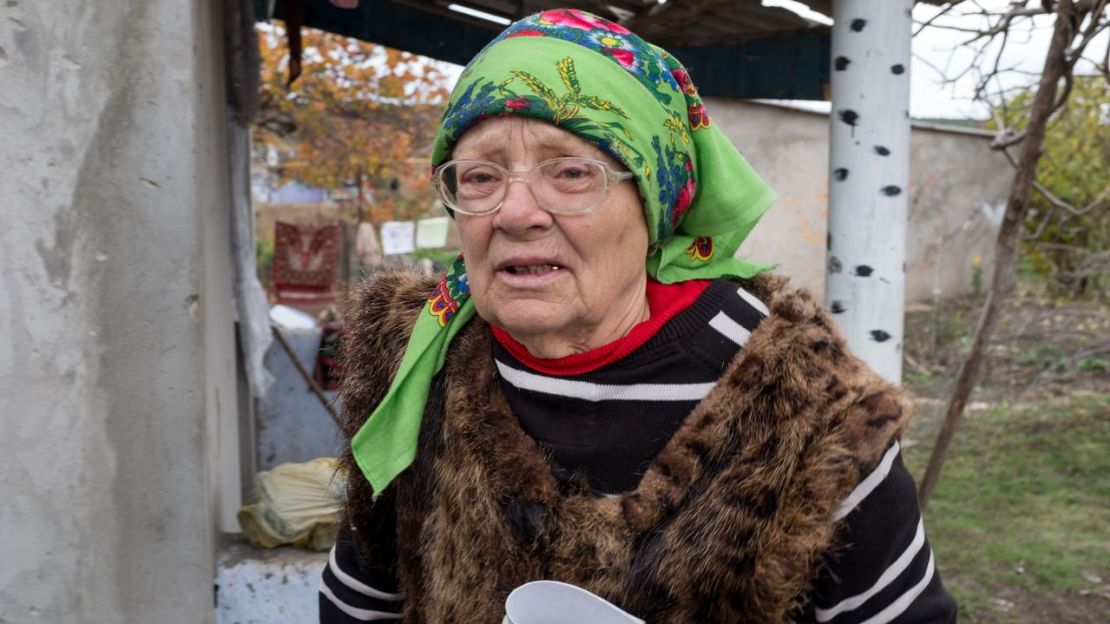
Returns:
(869, 143)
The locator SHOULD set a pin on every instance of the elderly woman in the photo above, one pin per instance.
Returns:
(597, 391)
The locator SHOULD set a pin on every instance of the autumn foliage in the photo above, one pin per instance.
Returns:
(360, 115)
(1071, 246)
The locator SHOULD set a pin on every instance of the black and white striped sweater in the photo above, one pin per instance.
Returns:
(607, 424)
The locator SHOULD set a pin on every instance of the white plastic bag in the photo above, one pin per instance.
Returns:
(296, 504)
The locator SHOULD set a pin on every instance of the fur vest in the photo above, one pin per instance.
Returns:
(731, 523)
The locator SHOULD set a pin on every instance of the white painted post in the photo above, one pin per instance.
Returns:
(869, 142)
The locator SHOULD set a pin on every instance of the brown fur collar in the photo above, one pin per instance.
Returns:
(729, 524)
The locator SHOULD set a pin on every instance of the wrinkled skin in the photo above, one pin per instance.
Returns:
(597, 293)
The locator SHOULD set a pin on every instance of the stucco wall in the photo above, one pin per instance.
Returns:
(109, 180)
(952, 175)
(957, 196)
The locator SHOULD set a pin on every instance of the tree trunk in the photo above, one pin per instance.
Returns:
(1006, 246)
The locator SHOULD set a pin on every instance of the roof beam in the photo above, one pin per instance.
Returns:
(396, 26)
(793, 66)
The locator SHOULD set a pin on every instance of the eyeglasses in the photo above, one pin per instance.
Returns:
(568, 185)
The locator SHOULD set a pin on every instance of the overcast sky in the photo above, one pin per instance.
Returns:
(936, 48)
(937, 51)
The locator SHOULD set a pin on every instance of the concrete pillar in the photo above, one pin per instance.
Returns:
(869, 142)
(116, 349)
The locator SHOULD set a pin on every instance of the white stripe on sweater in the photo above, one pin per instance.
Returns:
(729, 328)
(866, 486)
(364, 615)
(894, 571)
(358, 585)
(903, 602)
(753, 302)
(587, 391)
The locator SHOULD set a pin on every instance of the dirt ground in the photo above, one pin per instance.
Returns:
(1042, 349)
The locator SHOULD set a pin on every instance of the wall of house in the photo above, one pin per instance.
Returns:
(116, 344)
(957, 196)
(222, 380)
(953, 175)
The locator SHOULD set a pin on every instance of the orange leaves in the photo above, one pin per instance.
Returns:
(358, 111)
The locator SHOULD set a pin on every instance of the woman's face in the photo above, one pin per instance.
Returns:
(559, 284)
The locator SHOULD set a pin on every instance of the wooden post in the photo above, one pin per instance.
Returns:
(359, 199)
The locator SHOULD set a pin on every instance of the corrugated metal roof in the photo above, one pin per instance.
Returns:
(734, 48)
(680, 23)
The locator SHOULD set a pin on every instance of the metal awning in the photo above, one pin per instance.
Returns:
(733, 48)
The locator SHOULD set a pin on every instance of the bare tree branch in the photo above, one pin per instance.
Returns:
(1006, 246)
(1097, 203)
(1004, 21)
(929, 22)
(1006, 137)
(1057, 202)
(939, 71)
(1040, 228)
(1096, 25)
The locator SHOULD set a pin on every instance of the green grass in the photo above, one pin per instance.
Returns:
(1022, 509)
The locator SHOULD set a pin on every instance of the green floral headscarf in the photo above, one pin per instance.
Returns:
(632, 100)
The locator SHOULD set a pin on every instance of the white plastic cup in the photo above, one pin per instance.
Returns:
(552, 602)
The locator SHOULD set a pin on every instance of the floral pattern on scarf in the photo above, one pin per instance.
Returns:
(701, 249)
(451, 292)
(633, 54)
(572, 108)
(674, 173)
(558, 104)
(695, 109)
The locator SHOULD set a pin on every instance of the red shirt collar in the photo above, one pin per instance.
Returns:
(665, 302)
